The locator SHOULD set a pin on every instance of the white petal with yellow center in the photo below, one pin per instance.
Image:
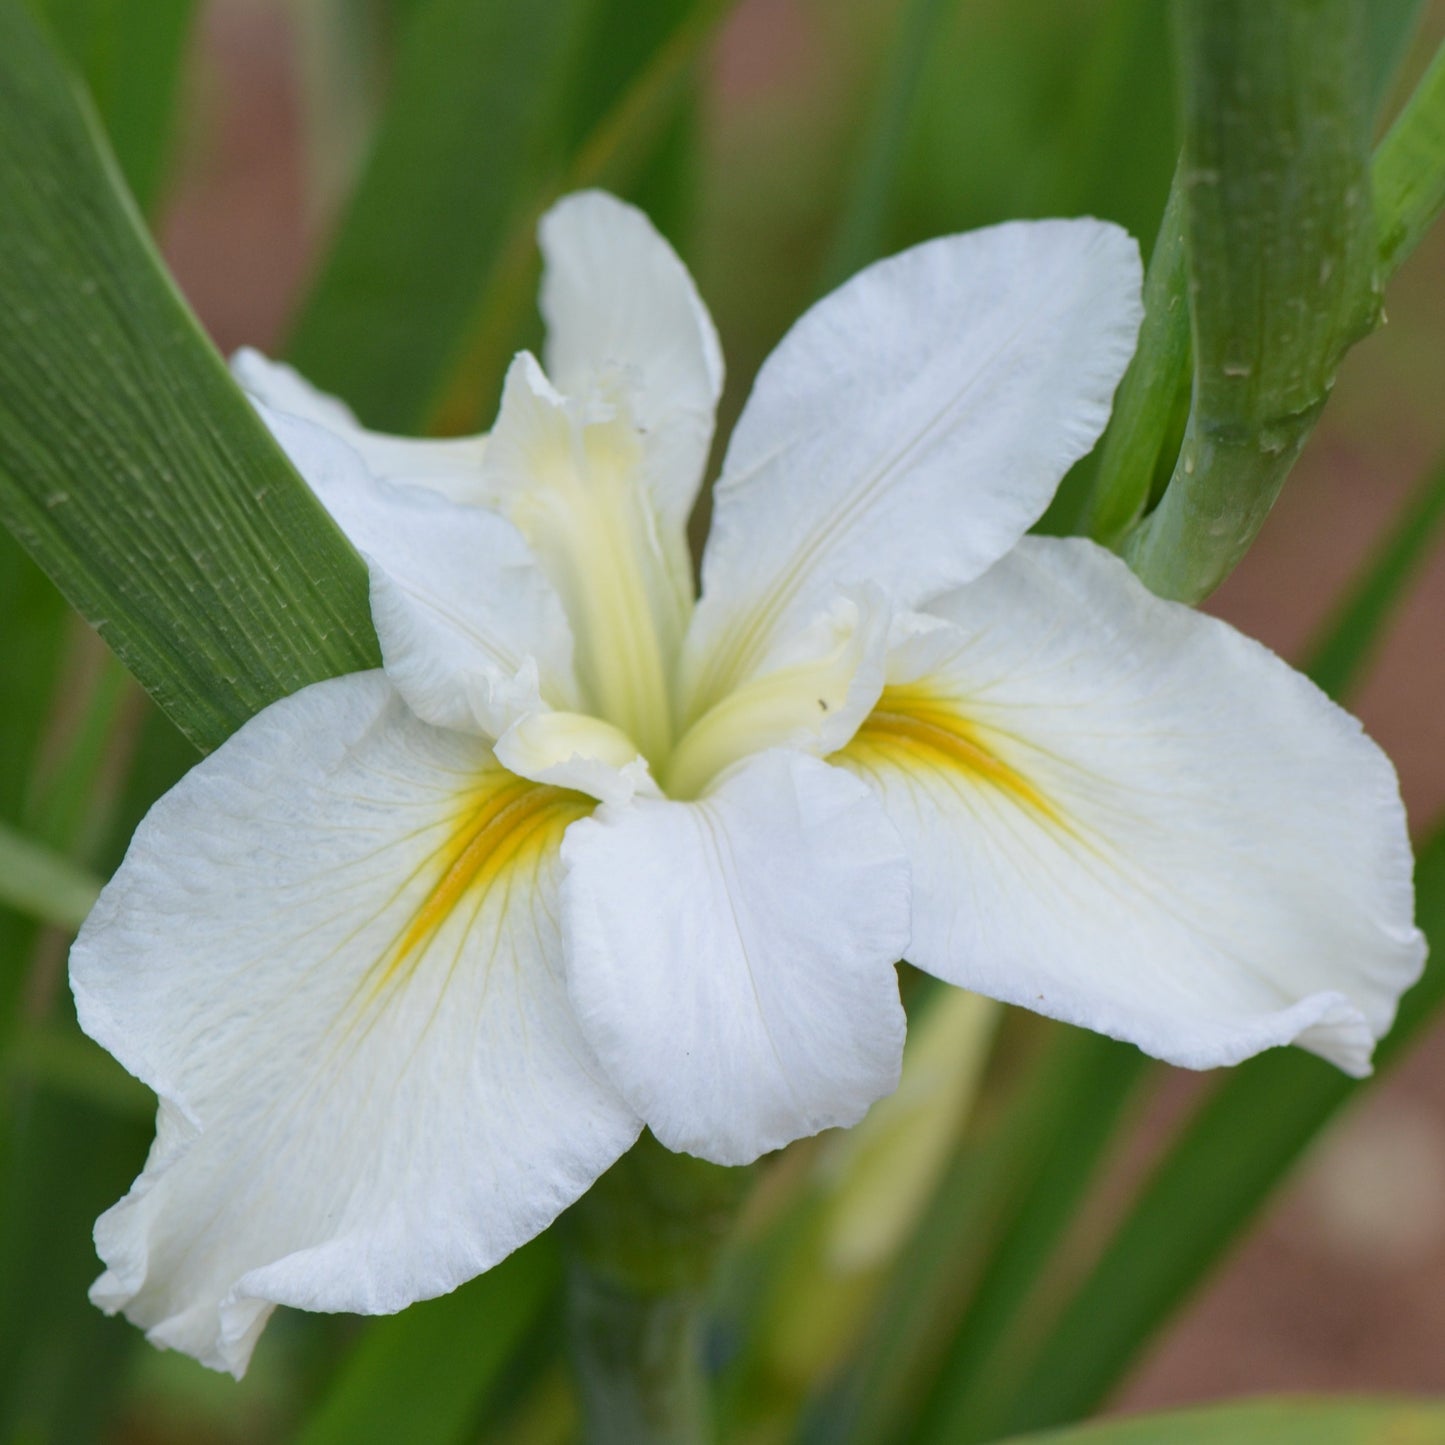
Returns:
(624, 316)
(566, 472)
(908, 430)
(333, 951)
(1127, 815)
(732, 959)
(572, 750)
(471, 631)
(821, 686)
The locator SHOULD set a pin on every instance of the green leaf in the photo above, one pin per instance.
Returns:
(73, 788)
(1410, 169)
(619, 153)
(130, 57)
(61, 1360)
(1150, 395)
(991, 1348)
(967, 1270)
(1280, 252)
(32, 640)
(496, 109)
(862, 228)
(43, 883)
(1215, 1177)
(64, 1062)
(475, 115)
(1267, 1422)
(425, 1375)
(1350, 636)
(1145, 431)
(131, 467)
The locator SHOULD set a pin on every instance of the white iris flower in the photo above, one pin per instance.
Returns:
(415, 955)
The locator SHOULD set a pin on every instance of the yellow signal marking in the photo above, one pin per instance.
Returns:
(913, 724)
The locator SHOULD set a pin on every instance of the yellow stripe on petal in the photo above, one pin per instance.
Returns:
(915, 727)
(507, 826)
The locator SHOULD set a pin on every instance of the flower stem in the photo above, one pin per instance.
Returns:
(642, 1246)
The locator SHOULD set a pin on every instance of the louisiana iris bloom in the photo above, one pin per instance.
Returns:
(416, 954)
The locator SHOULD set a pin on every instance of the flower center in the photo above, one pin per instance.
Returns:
(572, 473)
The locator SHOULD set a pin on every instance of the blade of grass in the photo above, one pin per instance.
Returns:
(1409, 169)
(66, 1063)
(476, 110)
(1012, 1181)
(435, 226)
(862, 228)
(131, 467)
(32, 631)
(1299, 1421)
(1214, 1179)
(990, 1350)
(425, 1375)
(1350, 637)
(614, 155)
(1150, 394)
(61, 1360)
(43, 883)
(92, 715)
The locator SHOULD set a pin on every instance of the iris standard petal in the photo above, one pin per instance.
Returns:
(624, 319)
(471, 631)
(450, 465)
(731, 959)
(565, 471)
(333, 952)
(1127, 815)
(909, 429)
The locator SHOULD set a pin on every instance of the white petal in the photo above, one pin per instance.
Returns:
(471, 631)
(565, 471)
(451, 466)
(910, 428)
(731, 960)
(333, 951)
(573, 750)
(623, 313)
(822, 683)
(1127, 815)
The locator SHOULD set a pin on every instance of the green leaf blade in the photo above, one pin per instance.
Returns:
(43, 884)
(1410, 169)
(476, 110)
(131, 467)
(424, 1376)
(1349, 639)
(131, 57)
(1280, 249)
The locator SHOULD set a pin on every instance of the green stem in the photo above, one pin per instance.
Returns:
(638, 1362)
(643, 1245)
(1281, 256)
